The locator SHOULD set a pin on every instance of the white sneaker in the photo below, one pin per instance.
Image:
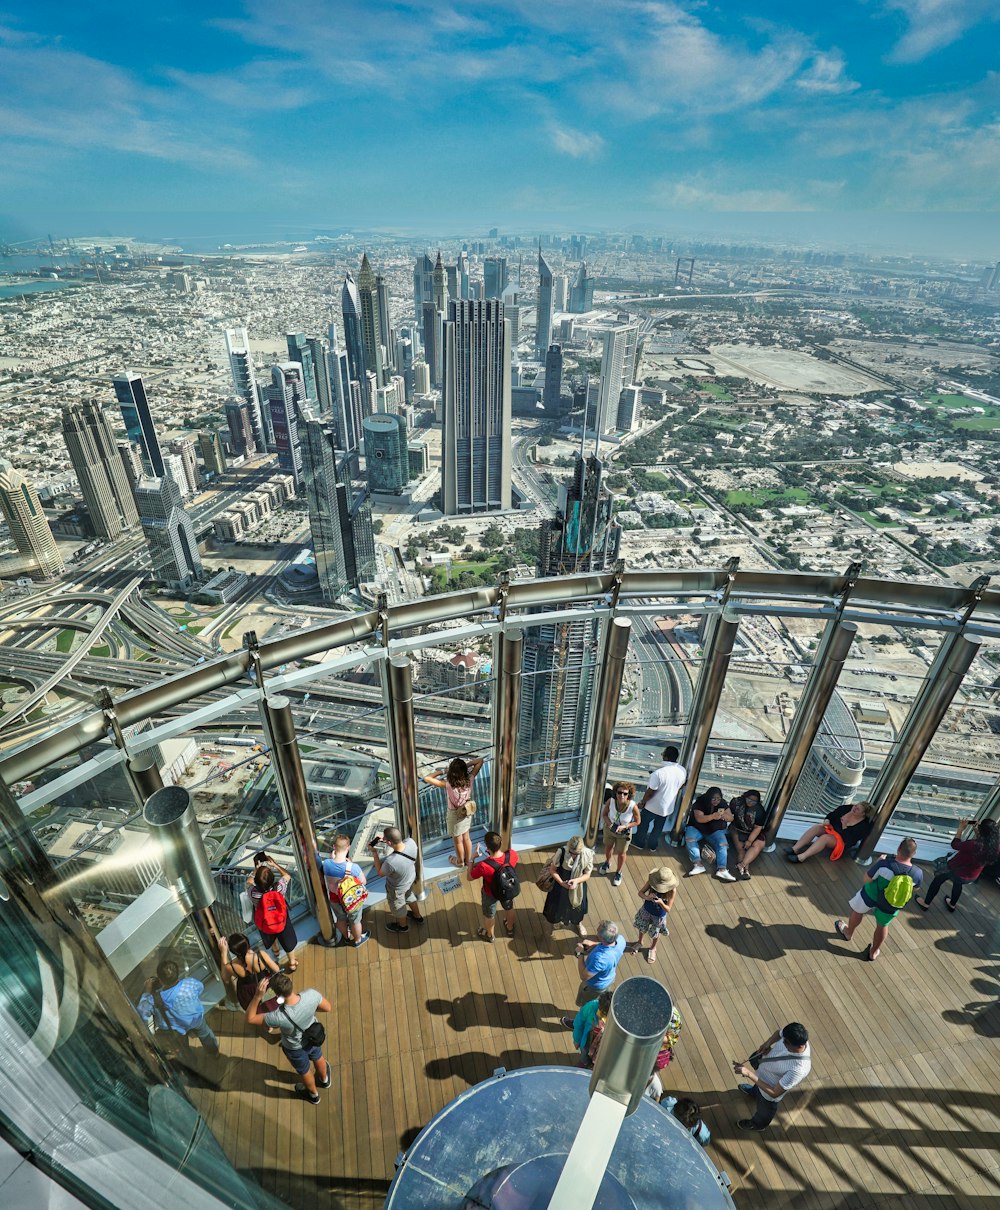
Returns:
(725, 876)
(695, 869)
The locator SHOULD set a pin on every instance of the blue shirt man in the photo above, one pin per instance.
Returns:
(182, 1009)
(597, 960)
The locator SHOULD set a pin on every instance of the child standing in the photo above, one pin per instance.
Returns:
(658, 898)
(461, 807)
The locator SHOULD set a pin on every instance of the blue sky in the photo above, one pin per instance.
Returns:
(564, 113)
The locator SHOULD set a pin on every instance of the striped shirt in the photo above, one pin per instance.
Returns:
(781, 1066)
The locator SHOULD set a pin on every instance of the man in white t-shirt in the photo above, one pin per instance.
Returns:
(657, 803)
(778, 1065)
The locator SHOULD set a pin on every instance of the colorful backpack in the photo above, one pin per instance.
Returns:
(350, 893)
(271, 912)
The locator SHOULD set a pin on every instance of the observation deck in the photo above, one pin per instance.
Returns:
(809, 688)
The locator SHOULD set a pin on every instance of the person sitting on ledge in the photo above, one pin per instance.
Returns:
(843, 828)
(710, 816)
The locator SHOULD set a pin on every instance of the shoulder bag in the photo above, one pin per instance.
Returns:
(546, 880)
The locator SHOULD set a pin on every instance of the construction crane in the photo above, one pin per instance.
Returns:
(682, 260)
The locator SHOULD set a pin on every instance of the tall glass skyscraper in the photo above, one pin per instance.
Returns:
(543, 314)
(475, 444)
(387, 458)
(169, 533)
(131, 395)
(559, 669)
(371, 321)
(286, 395)
(22, 510)
(99, 471)
(246, 386)
(354, 343)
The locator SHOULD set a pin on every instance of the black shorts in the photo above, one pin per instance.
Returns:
(286, 938)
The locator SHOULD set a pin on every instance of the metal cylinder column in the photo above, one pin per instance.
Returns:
(506, 715)
(403, 754)
(718, 652)
(279, 724)
(144, 774)
(940, 685)
(823, 677)
(990, 806)
(602, 726)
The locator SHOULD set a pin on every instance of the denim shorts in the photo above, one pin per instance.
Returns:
(301, 1059)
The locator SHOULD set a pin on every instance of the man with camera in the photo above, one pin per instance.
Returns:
(399, 868)
(302, 1036)
(776, 1066)
(174, 1004)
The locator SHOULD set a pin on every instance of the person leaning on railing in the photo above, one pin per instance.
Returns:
(843, 830)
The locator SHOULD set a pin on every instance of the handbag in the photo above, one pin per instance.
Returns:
(941, 864)
(469, 808)
(246, 907)
(312, 1036)
(546, 880)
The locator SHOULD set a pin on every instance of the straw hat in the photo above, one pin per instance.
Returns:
(662, 879)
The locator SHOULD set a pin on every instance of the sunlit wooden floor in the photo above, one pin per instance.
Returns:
(904, 1097)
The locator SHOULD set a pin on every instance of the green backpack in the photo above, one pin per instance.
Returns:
(896, 894)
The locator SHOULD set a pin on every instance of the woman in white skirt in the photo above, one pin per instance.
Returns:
(461, 807)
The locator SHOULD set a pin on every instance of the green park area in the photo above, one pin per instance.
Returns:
(717, 390)
(879, 522)
(102, 651)
(990, 418)
(766, 496)
(64, 641)
(464, 574)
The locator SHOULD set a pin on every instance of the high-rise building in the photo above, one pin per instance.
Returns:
(286, 395)
(131, 463)
(629, 409)
(559, 668)
(169, 533)
(386, 455)
(185, 449)
(494, 276)
(371, 321)
(439, 286)
(462, 274)
(423, 286)
(39, 556)
(560, 291)
(581, 294)
(404, 363)
(475, 444)
(354, 342)
(246, 386)
(543, 312)
(621, 346)
(241, 434)
(213, 456)
(421, 378)
(131, 395)
(553, 381)
(433, 338)
(106, 489)
(300, 350)
(386, 334)
(345, 402)
(336, 533)
(321, 374)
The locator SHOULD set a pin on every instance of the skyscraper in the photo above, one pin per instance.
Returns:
(475, 444)
(286, 395)
(40, 558)
(169, 533)
(321, 373)
(354, 342)
(246, 386)
(553, 381)
(336, 534)
(345, 409)
(386, 457)
(386, 335)
(241, 435)
(423, 286)
(560, 291)
(543, 313)
(103, 483)
(621, 345)
(439, 285)
(185, 449)
(371, 321)
(559, 669)
(300, 350)
(581, 293)
(131, 395)
(213, 456)
(494, 276)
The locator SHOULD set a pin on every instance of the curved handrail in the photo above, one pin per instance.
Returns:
(814, 594)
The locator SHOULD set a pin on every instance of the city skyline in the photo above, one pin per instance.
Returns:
(685, 111)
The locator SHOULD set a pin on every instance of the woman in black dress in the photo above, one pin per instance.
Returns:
(843, 828)
(566, 903)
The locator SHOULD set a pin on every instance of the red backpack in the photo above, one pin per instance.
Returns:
(271, 913)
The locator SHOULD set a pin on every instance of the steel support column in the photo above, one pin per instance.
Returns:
(279, 725)
(940, 685)
(718, 652)
(827, 667)
(403, 755)
(144, 774)
(602, 725)
(506, 715)
(990, 806)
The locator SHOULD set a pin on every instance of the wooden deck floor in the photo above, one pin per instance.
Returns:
(904, 1097)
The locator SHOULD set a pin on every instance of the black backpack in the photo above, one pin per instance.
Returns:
(506, 884)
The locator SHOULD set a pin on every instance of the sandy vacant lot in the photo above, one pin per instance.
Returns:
(789, 370)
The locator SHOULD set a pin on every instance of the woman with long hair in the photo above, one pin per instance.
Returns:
(570, 868)
(457, 781)
(967, 863)
(245, 966)
(843, 828)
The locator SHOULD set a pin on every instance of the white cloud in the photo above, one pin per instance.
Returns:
(934, 24)
(826, 75)
(701, 192)
(576, 143)
(259, 84)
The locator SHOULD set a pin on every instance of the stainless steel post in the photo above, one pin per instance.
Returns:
(940, 685)
(506, 714)
(170, 816)
(403, 753)
(602, 726)
(715, 665)
(827, 667)
(144, 774)
(290, 778)
(640, 1014)
(990, 806)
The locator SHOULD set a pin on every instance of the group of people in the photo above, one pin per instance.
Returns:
(735, 832)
